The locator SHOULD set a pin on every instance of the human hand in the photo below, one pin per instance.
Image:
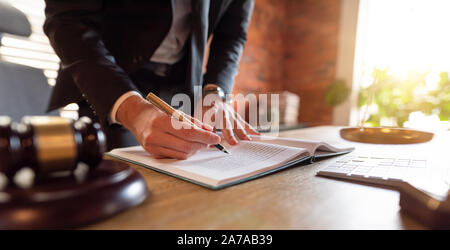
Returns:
(161, 135)
(221, 115)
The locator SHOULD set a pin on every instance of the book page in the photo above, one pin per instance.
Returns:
(215, 167)
(313, 147)
(247, 157)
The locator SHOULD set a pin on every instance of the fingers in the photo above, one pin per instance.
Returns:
(240, 131)
(170, 137)
(193, 120)
(232, 124)
(162, 152)
(172, 142)
(200, 124)
(241, 127)
(164, 136)
(248, 128)
(210, 115)
(192, 134)
(164, 145)
(227, 129)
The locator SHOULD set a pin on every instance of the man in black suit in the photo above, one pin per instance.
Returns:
(114, 52)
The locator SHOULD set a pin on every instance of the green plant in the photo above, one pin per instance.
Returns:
(396, 98)
(337, 92)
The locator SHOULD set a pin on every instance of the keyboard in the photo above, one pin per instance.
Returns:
(388, 171)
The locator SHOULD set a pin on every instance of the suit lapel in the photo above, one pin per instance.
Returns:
(216, 11)
(200, 11)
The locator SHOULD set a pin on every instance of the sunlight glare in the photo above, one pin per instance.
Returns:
(409, 39)
(408, 35)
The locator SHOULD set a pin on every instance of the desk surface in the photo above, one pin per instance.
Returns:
(291, 199)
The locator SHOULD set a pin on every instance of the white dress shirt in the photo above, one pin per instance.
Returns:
(171, 49)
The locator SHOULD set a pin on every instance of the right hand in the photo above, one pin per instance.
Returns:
(154, 130)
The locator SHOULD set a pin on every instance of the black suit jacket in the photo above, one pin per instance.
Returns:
(101, 42)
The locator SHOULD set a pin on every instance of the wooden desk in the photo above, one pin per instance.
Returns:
(291, 199)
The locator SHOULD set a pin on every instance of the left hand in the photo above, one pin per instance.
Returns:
(221, 115)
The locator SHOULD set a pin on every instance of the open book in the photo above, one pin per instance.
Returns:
(247, 160)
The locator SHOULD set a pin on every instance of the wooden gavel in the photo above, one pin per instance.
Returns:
(49, 144)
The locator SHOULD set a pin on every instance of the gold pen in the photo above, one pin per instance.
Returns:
(166, 108)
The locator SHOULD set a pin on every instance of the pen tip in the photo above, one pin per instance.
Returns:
(226, 152)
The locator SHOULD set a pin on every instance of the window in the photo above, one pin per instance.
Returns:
(34, 51)
(406, 42)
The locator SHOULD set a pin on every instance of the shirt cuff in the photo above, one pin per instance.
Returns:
(122, 98)
(210, 84)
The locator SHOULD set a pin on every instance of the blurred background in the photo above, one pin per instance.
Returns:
(342, 62)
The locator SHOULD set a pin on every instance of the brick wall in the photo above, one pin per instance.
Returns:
(261, 68)
(292, 45)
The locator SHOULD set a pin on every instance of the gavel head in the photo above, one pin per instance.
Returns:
(49, 144)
